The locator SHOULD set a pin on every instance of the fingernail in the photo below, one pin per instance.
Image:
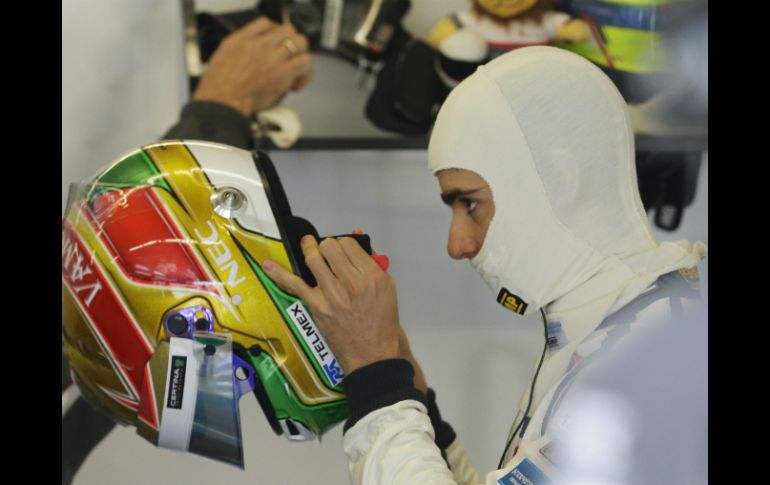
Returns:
(306, 239)
(268, 266)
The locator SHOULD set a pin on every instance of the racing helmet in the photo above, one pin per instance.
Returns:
(167, 316)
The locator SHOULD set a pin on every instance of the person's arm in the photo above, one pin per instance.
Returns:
(445, 435)
(389, 437)
(446, 439)
(391, 434)
(252, 69)
(211, 121)
(395, 433)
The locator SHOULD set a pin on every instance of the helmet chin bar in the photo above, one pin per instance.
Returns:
(196, 322)
(186, 322)
(259, 389)
(244, 381)
(200, 410)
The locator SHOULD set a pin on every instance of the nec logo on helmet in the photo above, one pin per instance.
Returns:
(222, 256)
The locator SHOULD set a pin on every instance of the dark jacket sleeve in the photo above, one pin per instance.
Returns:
(445, 434)
(387, 382)
(209, 121)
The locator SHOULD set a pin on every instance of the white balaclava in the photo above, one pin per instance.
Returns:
(550, 134)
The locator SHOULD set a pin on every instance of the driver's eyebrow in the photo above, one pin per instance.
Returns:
(450, 197)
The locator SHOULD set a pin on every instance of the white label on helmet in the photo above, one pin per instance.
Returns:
(179, 398)
(323, 354)
(232, 167)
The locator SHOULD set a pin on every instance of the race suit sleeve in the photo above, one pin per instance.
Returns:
(209, 121)
(395, 434)
(446, 439)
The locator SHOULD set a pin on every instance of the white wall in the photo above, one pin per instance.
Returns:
(122, 83)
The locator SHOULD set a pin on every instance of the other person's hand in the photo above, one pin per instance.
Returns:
(255, 66)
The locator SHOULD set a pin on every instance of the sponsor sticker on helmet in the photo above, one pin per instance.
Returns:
(182, 381)
(176, 381)
(315, 342)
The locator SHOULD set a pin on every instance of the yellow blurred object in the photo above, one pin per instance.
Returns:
(441, 31)
(574, 31)
(512, 24)
(624, 34)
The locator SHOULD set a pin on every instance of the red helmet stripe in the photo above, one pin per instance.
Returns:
(147, 404)
(108, 317)
(146, 245)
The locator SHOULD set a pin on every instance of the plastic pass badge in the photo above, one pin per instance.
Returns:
(525, 473)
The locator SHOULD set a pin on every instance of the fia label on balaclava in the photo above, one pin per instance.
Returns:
(511, 302)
